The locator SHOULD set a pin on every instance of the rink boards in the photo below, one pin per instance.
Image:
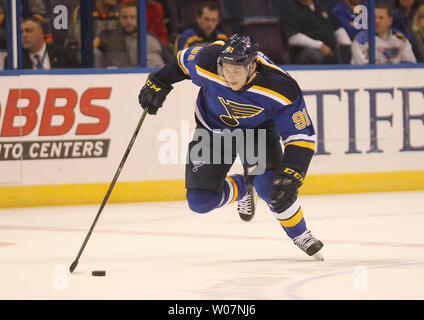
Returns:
(62, 136)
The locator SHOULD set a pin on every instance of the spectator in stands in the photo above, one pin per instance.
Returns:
(120, 48)
(37, 9)
(205, 31)
(105, 19)
(403, 14)
(37, 54)
(391, 46)
(345, 14)
(418, 34)
(155, 19)
(313, 34)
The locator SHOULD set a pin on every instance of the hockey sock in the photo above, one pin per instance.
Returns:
(234, 189)
(291, 219)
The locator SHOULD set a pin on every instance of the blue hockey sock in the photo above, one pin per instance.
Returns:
(291, 219)
(234, 189)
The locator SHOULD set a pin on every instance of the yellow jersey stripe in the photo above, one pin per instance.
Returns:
(210, 74)
(294, 220)
(276, 94)
(303, 144)
(262, 60)
(220, 42)
(235, 193)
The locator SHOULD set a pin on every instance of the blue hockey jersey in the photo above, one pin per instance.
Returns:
(272, 98)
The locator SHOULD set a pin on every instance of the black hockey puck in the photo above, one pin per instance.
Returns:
(98, 273)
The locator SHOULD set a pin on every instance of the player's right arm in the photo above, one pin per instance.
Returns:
(159, 84)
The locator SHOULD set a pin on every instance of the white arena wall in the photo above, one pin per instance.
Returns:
(62, 136)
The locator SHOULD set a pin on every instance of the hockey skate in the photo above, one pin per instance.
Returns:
(309, 244)
(247, 205)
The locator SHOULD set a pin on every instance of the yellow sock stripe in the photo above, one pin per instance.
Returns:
(294, 220)
(235, 193)
(303, 144)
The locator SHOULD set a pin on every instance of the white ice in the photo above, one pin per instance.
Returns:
(373, 249)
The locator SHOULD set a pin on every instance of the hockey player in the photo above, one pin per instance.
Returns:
(240, 88)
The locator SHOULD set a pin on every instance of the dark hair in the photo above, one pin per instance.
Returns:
(384, 5)
(211, 5)
(35, 20)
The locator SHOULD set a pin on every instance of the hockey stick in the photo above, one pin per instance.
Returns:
(115, 178)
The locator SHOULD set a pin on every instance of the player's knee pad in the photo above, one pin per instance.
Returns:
(203, 201)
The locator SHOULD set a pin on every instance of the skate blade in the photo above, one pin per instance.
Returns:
(318, 256)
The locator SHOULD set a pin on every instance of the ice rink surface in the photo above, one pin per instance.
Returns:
(373, 249)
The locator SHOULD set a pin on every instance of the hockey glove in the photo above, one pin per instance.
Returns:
(153, 94)
(285, 187)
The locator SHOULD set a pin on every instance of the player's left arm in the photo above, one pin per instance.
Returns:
(296, 128)
(298, 135)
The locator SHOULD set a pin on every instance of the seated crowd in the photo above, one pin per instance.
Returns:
(312, 31)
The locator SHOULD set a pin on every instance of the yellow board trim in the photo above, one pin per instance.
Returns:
(91, 193)
(174, 190)
(291, 222)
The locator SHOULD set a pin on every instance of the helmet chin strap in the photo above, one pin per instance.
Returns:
(251, 73)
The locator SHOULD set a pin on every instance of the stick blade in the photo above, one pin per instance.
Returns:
(73, 266)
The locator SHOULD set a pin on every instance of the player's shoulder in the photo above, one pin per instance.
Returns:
(208, 56)
(275, 80)
(221, 35)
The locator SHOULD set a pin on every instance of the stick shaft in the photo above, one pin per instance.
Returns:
(109, 191)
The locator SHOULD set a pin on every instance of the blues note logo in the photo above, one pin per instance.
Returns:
(236, 111)
(197, 165)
